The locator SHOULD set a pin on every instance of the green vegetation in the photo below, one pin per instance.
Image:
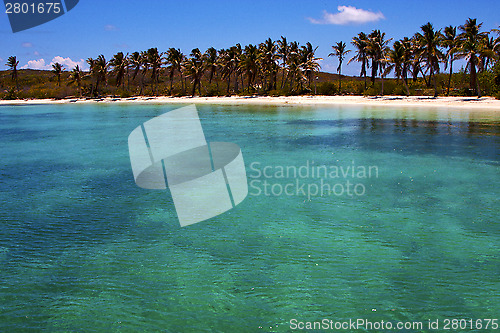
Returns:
(281, 68)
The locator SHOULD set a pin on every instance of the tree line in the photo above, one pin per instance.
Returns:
(289, 67)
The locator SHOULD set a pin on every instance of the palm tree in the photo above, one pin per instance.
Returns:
(451, 42)
(195, 68)
(339, 51)
(269, 58)
(487, 53)
(211, 63)
(98, 72)
(57, 69)
(145, 68)
(416, 59)
(12, 63)
(430, 42)
(175, 58)
(283, 53)
(360, 42)
(238, 52)
(496, 46)
(471, 40)
(135, 61)
(119, 63)
(250, 64)
(155, 60)
(102, 70)
(377, 51)
(294, 69)
(229, 63)
(308, 61)
(396, 58)
(407, 61)
(76, 76)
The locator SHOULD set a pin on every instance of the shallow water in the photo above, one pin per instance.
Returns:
(83, 248)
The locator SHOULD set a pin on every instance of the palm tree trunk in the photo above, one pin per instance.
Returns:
(435, 85)
(449, 79)
(340, 81)
(183, 83)
(128, 79)
(427, 83)
(406, 86)
(478, 90)
(194, 88)
(283, 77)
(473, 77)
(374, 71)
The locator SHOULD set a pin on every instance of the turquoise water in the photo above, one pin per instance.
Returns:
(82, 248)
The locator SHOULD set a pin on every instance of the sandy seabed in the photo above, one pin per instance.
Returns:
(487, 103)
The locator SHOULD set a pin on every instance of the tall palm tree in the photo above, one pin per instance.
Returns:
(360, 42)
(12, 63)
(487, 53)
(294, 70)
(155, 60)
(76, 75)
(496, 46)
(396, 58)
(119, 64)
(339, 51)
(451, 42)
(250, 64)
(238, 51)
(471, 40)
(145, 68)
(407, 61)
(135, 62)
(309, 63)
(229, 64)
(98, 72)
(430, 41)
(195, 68)
(102, 69)
(269, 59)
(211, 63)
(174, 59)
(377, 51)
(283, 53)
(57, 69)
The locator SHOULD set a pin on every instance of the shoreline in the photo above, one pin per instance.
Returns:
(488, 103)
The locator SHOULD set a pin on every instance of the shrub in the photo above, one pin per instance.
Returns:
(353, 87)
(399, 90)
(326, 88)
(467, 92)
(372, 91)
(11, 94)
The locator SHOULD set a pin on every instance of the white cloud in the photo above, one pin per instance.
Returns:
(36, 64)
(27, 44)
(348, 15)
(66, 62)
(110, 27)
(36, 53)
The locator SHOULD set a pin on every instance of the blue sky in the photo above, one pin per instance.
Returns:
(106, 27)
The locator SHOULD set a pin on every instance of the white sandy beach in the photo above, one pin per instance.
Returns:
(487, 103)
